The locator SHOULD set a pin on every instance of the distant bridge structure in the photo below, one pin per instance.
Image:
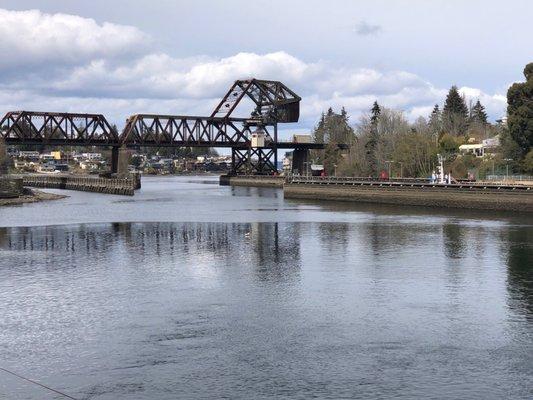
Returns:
(273, 102)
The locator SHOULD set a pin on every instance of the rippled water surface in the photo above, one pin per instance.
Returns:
(191, 290)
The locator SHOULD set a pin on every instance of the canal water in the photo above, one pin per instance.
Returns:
(190, 290)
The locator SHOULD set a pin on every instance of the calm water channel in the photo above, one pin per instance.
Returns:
(190, 290)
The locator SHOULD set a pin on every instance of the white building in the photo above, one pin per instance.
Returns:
(92, 156)
(29, 154)
(491, 142)
(474, 149)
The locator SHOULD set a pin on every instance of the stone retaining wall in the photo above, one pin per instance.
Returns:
(118, 186)
(252, 180)
(434, 197)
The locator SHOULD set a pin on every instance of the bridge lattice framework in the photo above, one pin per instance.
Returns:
(273, 102)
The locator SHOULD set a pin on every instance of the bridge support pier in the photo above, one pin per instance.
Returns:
(253, 161)
(119, 160)
(4, 160)
(300, 157)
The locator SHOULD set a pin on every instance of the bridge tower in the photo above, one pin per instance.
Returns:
(274, 103)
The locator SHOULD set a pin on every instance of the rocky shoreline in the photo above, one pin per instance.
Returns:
(30, 196)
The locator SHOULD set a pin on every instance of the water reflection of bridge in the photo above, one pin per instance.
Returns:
(273, 249)
(276, 251)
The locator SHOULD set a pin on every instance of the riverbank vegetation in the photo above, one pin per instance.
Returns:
(385, 140)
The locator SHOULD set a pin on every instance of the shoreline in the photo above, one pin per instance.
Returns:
(36, 196)
(440, 198)
(429, 196)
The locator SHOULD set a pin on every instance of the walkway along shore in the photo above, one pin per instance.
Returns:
(413, 192)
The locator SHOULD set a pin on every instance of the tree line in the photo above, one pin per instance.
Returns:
(383, 138)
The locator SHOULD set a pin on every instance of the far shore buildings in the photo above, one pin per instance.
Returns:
(486, 147)
(94, 162)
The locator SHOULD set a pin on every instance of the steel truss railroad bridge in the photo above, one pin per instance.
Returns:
(274, 103)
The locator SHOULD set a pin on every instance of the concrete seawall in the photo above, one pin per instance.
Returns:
(445, 197)
(120, 186)
(251, 180)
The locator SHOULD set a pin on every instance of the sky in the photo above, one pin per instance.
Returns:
(179, 57)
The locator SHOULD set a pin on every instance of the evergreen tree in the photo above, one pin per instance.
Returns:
(372, 143)
(332, 129)
(375, 111)
(435, 115)
(478, 114)
(455, 113)
(520, 111)
(344, 114)
(435, 120)
(455, 103)
(318, 133)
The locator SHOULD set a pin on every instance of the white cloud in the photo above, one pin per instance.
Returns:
(75, 64)
(33, 38)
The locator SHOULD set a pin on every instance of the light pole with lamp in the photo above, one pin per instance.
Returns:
(507, 167)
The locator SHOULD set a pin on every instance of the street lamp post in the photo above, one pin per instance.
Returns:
(507, 167)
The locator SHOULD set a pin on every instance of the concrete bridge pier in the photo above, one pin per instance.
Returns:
(300, 157)
(120, 159)
(4, 160)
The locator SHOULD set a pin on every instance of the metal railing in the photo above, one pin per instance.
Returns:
(403, 183)
(513, 178)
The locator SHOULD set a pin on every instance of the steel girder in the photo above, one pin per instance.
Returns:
(68, 129)
(178, 131)
(274, 101)
(251, 161)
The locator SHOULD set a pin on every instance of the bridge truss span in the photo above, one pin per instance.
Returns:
(272, 103)
(187, 131)
(53, 128)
